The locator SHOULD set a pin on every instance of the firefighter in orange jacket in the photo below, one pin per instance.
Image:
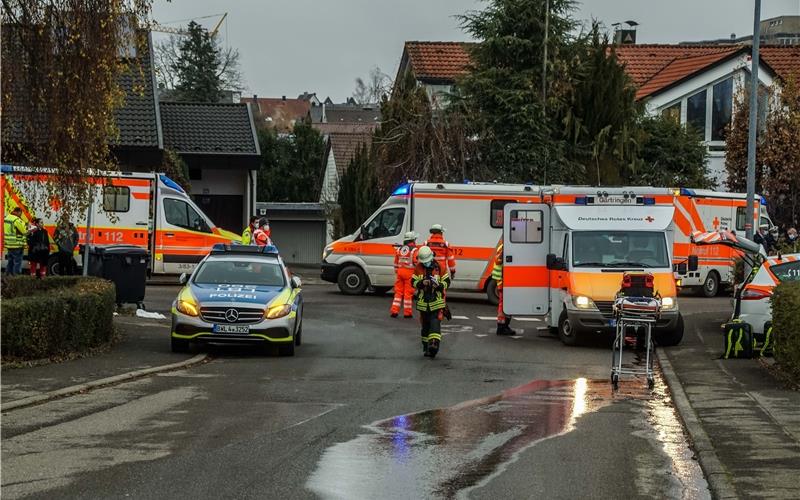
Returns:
(497, 274)
(430, 280)
(405, 259)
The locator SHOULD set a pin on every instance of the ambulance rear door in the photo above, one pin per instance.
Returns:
(526, 243)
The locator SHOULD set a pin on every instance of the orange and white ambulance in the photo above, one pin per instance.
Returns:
(566, 254)
(148, 210)
(706, 210)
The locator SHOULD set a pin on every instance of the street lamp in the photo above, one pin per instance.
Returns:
(753, 125)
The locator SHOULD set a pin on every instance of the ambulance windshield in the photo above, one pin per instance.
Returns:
(616, 249)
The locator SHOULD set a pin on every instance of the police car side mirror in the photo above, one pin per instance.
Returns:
(693, 263)
(183, 279)
(681, 268)
(296, 282)
(555, 263)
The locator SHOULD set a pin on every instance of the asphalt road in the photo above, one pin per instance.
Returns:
(359, 413)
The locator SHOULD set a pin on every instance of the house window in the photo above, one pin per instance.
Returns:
(723, 107)
(496, 212)
(673, 112)
(696, 112)
(116, 199)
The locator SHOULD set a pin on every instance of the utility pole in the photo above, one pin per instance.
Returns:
(544, 79)
(753, 126)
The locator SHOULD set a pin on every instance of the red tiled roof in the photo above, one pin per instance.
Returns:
(438, 61)
(783, 59)
(680, 68)
(345, 145)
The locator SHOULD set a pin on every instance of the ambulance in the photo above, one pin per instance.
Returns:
(471, 213)
(565, 256)
(148, 210)
(706, 210)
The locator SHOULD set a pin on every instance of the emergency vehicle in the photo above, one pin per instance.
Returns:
(147, 210)
(565, 256)
(706, 210)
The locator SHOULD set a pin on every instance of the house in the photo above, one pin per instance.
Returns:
(694, 84)
(781, 30)
(279, 112)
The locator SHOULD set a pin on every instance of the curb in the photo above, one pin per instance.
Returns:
(718, 478)
(116, 379)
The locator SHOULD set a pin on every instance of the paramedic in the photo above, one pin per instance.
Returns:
(445, 255)
(247, 234)
(14, 232)
(497, 274)
(430, 280)
(261, 234)
(405, 259)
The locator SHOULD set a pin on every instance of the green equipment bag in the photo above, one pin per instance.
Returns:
(738, 341)
(764, 340)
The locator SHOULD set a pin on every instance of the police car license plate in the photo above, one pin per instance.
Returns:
(612, 323)
(231, 329)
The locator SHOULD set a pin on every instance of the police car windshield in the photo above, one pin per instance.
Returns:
(617, 249)
(239, 272)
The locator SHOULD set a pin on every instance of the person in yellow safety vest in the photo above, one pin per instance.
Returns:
(247, 234)
(405, 260)
(430, 280)
(14, 240)
(497, 274)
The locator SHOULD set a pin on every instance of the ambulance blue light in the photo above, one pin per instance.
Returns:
(763, 201)
(649, 201)
(171, 184)
(6, 169)
(403, 189)
(580, 200)
(687, 192)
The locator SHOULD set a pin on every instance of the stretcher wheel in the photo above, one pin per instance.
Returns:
(615, 381)
(651, 382)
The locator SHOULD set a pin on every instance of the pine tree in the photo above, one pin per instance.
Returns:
(198, 67)
(291, 166)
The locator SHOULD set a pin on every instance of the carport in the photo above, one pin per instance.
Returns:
(298, 230)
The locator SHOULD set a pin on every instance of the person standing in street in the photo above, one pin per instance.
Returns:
(405, 260)
(247, 234)
(14, 232)
(503, 321)
(66, 238)
(443, 253)
(38, 248)
(430, 280)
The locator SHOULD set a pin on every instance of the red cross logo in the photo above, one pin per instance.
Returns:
(715, 223)
(649, 219)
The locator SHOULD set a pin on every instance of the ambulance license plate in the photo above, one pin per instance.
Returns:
(612, 323)
(231, 329)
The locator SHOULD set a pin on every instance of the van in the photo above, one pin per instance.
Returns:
(148, 210)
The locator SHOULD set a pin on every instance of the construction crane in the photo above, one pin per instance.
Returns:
(182, 31)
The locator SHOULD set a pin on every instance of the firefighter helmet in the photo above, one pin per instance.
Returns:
(437, 228)
(425, 254)
(409, 236)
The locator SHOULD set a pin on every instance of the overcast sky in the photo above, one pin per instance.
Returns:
(290, 46)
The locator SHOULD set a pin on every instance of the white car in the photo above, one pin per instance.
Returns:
(752, 300)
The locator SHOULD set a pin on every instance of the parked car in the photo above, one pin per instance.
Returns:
(239, 294)
(752, 299)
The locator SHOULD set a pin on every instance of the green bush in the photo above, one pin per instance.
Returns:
(55, 316)
(785, 327)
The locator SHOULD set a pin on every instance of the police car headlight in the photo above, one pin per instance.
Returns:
(583, 302)
(278, 311)
(327, 252)
(668, 303)
(188, 308)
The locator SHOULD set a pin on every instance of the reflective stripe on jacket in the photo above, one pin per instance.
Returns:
(247, 235)
(429, 298)
(14, 231)
(497, 270)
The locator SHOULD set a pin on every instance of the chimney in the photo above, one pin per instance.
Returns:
(255, 101)
(283, 98)
(733, 36)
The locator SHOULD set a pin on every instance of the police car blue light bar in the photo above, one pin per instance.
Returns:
(225, 248)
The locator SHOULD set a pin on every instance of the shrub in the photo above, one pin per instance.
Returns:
(785, 306)
(55, 316)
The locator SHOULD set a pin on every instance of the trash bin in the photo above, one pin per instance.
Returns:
(126, 266)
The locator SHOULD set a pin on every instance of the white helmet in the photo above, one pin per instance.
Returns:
(437, 228)
(410, 236)
(425, 254)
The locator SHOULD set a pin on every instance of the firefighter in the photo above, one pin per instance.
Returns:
(497, 274)
(441, 249)
(247, 234)
(405, 259)
(261, 234)
(14, 231)
(430, 280)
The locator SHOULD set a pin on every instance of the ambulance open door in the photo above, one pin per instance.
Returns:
(526, 280)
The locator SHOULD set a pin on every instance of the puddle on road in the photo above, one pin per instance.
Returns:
(446, 452)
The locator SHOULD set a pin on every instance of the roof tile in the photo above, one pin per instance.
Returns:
(438, 61)
(216, 128)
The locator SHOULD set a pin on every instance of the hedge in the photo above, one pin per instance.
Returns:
(55, 316)
(786, 327)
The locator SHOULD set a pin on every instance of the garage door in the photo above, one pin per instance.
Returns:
(300, 242)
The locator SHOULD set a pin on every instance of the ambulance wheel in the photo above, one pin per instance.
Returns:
(710, 285)
(53, 266)
(352, 280)
(180, 345)
(491, 293)
(566, 331)
(672, 337)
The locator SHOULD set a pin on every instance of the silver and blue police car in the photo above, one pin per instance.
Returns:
(239, 294)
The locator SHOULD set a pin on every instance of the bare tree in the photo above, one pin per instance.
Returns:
(374, 88)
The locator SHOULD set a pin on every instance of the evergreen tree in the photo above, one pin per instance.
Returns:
(198, 67)
(291, 166)
(671, 155)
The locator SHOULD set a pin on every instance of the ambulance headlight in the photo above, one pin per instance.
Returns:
(325, 253)
(668, 303)
(583, 302)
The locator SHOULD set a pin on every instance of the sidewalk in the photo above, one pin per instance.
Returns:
(751, 419)
(144, 344)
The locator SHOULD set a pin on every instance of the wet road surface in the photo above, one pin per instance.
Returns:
(359, 413)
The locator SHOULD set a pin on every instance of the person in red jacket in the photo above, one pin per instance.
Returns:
(445, 255)
(261, 236)
(405, 260)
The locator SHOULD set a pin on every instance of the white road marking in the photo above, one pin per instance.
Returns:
(460, 317)
(481, 335)
(488, 318)
(515, 337)
(526, 319)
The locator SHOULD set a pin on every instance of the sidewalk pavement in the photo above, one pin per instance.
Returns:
(751, 418)
(144, 344)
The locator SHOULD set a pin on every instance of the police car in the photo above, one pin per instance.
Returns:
(239, 294)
